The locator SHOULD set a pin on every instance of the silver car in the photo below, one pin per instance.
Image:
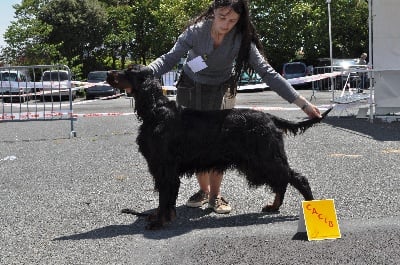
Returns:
(98, 87)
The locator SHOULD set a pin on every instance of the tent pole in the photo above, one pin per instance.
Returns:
(370, 64)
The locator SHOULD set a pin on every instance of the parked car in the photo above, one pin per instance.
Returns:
(250, 81)
(13, 87)
(294, 70)
(13, 75)
(101, 88)
(56, 85)
(297, 70)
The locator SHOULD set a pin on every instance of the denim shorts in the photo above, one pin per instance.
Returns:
(199, 96)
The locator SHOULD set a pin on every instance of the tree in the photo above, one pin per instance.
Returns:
(170, 25)
(26, 37)
(144, 25)
(117, 43)
(107, 33)
(286, 27)
(77, 26)
(132, 34)
(146, 29)
(349, 27)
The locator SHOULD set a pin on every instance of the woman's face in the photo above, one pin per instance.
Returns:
(225, 18)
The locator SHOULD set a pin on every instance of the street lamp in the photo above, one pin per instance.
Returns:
(330, 44)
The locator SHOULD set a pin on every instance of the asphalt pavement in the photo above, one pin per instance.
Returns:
(61, 197)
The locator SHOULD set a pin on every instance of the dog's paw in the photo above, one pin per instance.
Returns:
(155, 225)
(157, 220)
(152, 217)
(270, 209)
(156, 215)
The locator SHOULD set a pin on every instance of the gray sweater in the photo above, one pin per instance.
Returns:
(196, 41)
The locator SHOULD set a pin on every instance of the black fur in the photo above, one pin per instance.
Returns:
(177, 141)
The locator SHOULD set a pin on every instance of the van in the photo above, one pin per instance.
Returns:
(13, 76)
(13, 85)
(294, 70)
(56, 75)
(56, 85)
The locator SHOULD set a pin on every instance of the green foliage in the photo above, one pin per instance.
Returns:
(26, 37)
(78, 26)
(103, 34)
(170, 24)
(117, 42)
(288, 27)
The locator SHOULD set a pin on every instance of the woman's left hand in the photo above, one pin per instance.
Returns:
(312, 111)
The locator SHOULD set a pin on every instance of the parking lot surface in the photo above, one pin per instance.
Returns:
(61, 198)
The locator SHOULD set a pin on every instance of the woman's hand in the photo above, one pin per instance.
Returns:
(312, 111)
(308, 108)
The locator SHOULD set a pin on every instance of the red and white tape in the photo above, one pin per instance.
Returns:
(312, 78)
(70, 115)
(58, 115)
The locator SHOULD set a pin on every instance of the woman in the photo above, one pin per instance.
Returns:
(219, 44)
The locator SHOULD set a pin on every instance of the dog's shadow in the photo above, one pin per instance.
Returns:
(188, 219)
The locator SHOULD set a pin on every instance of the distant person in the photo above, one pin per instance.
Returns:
(363, 59)
(363, 76)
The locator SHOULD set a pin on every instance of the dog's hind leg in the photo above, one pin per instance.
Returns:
(300, 182)
(278, 200)
(269, 173)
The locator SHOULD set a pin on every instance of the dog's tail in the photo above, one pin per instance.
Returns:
(133, 212)
(290, 127)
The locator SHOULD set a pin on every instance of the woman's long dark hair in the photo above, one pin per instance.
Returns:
(244, 26)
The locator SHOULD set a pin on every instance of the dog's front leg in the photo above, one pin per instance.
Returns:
(166, 211)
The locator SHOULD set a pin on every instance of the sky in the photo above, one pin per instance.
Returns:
(7, 15)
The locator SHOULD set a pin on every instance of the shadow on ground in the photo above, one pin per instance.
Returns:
(378, 130)
(187, 221)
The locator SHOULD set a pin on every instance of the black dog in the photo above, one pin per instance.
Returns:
(177, 141)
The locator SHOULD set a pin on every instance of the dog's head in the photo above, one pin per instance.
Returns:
(130, 79)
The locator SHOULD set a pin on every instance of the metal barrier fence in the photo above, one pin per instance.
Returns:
(355, 85)
(353, 78)
(37, 93)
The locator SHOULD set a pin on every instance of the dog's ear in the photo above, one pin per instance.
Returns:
(118, 79)
(112, 78)
(137, 74)
(133, 67)
(140, 70)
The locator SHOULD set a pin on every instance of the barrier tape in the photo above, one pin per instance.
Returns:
(58, 115)
(80, 84)
(261, 108)
(35, 116)
(312, 78)
(46, 87)
(54, 92)
(70, 115)
(48, 84)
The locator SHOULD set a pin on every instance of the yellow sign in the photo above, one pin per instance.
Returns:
(320, 219)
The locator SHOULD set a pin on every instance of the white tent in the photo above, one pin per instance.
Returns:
(385, 54)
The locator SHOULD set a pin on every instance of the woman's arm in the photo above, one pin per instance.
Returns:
(272, 78)
(279, 84)
(166, 62)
